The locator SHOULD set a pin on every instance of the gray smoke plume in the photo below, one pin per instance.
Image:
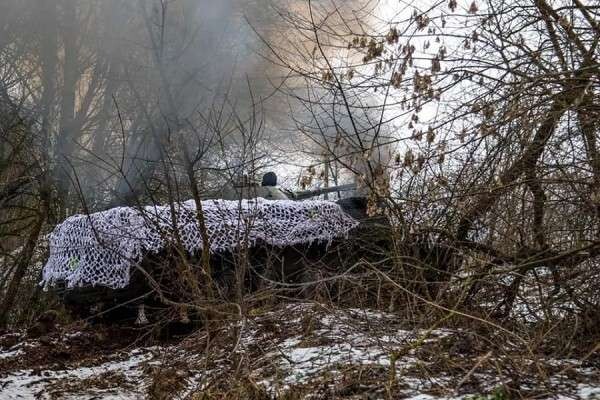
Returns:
(119, 87)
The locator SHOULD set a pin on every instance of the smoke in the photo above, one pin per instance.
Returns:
(113, 82)
(119, 86)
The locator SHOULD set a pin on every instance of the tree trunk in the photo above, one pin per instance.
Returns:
(22, 264)
(66, 134)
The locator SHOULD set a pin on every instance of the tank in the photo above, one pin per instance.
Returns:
(140, 302)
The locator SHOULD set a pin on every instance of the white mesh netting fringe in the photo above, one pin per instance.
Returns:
(101, 248)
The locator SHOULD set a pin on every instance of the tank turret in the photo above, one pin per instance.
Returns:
(268, 189)
(247, 188)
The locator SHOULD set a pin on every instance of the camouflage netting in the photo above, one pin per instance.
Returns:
(101, 248)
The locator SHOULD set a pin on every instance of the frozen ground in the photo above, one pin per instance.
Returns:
(302, 349)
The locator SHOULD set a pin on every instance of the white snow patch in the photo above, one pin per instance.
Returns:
(25, 384)
(11, 354)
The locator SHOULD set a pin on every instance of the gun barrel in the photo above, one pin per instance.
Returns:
(306, 194)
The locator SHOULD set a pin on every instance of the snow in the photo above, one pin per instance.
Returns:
(299, 344)
(26, 384)
(588, 392)
(11, 354)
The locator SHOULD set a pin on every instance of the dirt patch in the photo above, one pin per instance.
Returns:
(107, 382)
(67, 344)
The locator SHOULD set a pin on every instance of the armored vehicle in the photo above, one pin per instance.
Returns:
(128, 264)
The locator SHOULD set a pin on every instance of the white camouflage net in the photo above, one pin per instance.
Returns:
(101, 248)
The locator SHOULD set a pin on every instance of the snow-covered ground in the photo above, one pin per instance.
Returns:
(305, 348)
(33, 384)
